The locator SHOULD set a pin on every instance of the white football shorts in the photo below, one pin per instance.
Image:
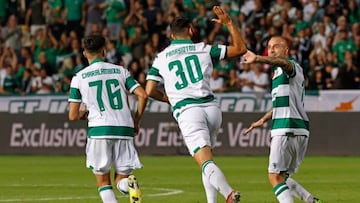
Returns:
(102, 154)
(286, 153)
(199, 126)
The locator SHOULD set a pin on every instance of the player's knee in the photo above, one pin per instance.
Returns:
(103, 179)
(275, 179)
(203, 155)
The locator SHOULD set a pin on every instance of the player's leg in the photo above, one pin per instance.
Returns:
(105, 189)
(279, 159)
(300, 192)
(194, 127)
(210, 190)
(125, 161)
(280, 188)
(213, 175)
(214, 120)
(98, 158)
(300, 144)
(127, 184)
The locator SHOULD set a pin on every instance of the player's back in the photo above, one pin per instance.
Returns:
(186, 69)
(103, 88)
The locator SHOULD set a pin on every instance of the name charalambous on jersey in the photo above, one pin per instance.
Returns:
(102, 71)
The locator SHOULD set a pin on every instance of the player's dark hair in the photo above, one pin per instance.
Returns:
(94, 43)
(180, 25)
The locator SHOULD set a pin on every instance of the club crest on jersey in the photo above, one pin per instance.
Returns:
(277, 72)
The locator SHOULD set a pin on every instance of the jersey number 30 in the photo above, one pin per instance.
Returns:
(191, 62)
(114, 97)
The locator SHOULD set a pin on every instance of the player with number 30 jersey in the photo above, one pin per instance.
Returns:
(187, 67)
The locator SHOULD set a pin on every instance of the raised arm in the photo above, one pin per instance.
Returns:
(14, 58)
(238, 47)
(28, 16)
(286, 65)
(276, 61)
(83, 14)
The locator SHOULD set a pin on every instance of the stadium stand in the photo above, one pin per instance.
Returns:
(41, 49)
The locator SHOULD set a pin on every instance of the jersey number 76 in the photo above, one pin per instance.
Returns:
(114, 97)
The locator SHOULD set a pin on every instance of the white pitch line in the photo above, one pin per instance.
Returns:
(306, 181)
(46, 185)
(166, 192)
(49, 199)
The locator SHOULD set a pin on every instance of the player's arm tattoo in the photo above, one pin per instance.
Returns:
(276, 61)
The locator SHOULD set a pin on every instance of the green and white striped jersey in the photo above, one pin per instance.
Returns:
(185, 68)
(289, 117)
(102, 87)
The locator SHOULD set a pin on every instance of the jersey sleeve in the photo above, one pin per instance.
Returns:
(74, 93)
(2, 80)
(130, 83)
(218, 52)
(294, 68)
(153, 73)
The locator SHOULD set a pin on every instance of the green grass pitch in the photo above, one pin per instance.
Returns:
(174, 179)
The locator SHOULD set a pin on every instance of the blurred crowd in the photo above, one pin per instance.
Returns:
(40, 40)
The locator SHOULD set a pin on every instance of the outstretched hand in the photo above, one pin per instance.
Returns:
(249, 57)
(223, 17)
(254, 125)
(136, 126)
